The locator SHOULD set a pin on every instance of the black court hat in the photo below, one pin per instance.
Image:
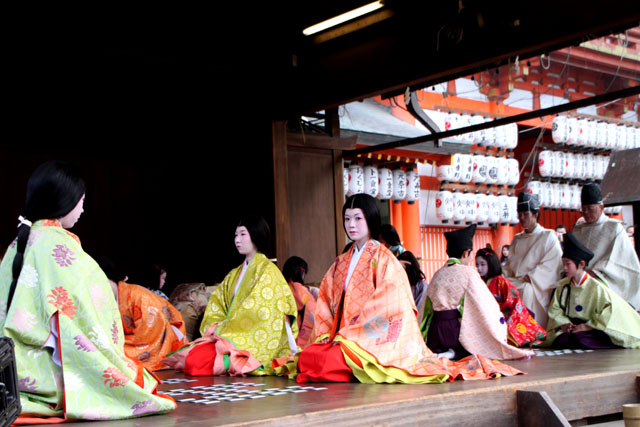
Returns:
(591, 195)
(460, 240)
(528, 202)
(575, 250)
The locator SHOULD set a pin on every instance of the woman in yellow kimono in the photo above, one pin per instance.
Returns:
(252, 312)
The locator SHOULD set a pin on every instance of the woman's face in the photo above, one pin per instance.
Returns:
(505, 251)
(72, 217)
(243, 242)
(482, 266)
(356, 226)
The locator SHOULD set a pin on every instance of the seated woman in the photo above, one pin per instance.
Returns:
(390, 239)
(584, 312)
(416, 280)
(57, 307)
(365, 319)
(152, 326)
(461, 316)
(252, 310)
(523, 329)
(191, 299)
(294, 270)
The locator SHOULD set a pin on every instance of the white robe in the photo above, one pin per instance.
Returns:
(615, 260)
(537, 254)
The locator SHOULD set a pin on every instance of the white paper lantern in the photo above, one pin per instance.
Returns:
(478, 136)
(371, 180)
(612, 136)
(444, 205)
(599, 167)
(513, 167)
(631, 136)
(579, 166)
(456, 164)
(501, 137)
(356, 180)
(565, 198)
(559, 132)
(592, 136)
(492, 170)
(385, 184)
(503, 171)
(466, 173)
(590, 172)
(601, 139)
(559, 164)
(548, 196)
(445, 173)
(583, 131)
(570, 170)
(513, 210)
(413, 186)
(489, 134)
(576, 191)
(621, 137)
(572, 131)
(546, 163)
(345, 180)
(606, 165)
(479, 168)
(534, 187)
(483, 208)
(505, 209)
(512, 136)
(453, 121)
(399, 185)
(494, 209)
(471, 206)
(459, 207)
(557, 196)
(465, 121)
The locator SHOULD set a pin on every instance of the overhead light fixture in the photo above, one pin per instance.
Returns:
(340, 19)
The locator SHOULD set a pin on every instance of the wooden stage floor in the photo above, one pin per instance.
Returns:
(581, 385)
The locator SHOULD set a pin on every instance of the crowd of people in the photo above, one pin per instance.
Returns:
(86, 339)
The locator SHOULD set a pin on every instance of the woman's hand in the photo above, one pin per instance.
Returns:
(581, 328)
(568, 327)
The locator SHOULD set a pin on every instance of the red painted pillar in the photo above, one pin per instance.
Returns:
(503, 235)
(411, 227)
(396, 217)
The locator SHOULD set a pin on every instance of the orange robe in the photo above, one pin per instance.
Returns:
(306, 305)
(147, 320)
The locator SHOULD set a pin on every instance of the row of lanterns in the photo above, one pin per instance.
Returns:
(476, 207)
(501, 137)
(382, 183)
(572, 165)
(597, 134)
(480, 169)
(556, 196)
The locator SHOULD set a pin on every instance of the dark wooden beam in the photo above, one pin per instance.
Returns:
(299, 139)
(536, 409)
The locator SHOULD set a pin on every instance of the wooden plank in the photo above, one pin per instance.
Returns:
(280, 191)
(536, 409)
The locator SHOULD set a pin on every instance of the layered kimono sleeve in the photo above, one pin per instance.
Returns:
(325, 310)
(557, 318)
(219, 302)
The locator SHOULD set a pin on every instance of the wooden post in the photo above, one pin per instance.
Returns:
(282, 230)
(411, 227)
(535, 408)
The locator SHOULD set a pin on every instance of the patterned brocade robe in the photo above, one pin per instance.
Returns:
(149, 321)
(254, 318)
(94, 379)
(379, 319)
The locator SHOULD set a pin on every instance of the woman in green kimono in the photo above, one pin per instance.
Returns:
(253, 307)
(584, 312)
(57, 306)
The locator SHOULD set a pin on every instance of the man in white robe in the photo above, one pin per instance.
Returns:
(615, 260)
(535, 259)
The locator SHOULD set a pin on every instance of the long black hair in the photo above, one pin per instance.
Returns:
(495, 269)
(295, 268)
(414, 273)
(369, 209)
(53, 190)
(258, 231)
(390, 235)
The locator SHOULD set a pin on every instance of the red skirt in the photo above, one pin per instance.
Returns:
(323, 363)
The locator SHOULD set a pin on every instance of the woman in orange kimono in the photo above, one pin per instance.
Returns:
(522, 328)
(152, 326)
(294, 270)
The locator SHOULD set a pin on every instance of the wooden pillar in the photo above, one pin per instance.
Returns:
(411, 227)
(636, 220)
(396, 217)
(502, 236)
(282, 232)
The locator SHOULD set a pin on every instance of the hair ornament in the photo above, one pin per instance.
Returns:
(24, 221)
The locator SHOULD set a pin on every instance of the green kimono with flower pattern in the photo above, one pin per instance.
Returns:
(94, 379)
(254, 319)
